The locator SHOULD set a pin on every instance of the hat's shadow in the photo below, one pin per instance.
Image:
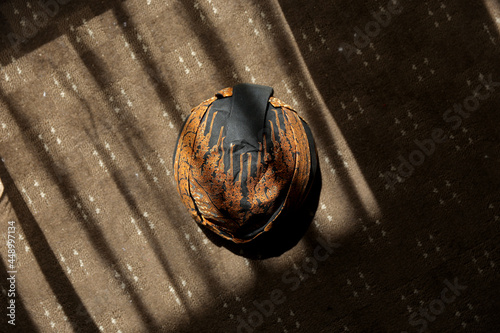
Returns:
(284, 235)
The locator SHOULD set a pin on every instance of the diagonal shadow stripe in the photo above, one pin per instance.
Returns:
(23, 317)
(135, 144)
(59, 283)
(67, 189)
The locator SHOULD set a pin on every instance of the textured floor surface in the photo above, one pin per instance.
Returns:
(405, 113)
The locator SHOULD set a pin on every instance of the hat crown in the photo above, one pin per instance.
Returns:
(239, 158)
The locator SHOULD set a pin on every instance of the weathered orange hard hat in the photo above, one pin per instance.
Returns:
(243, 161)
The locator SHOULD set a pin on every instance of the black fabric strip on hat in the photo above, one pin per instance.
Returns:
(248, 113)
